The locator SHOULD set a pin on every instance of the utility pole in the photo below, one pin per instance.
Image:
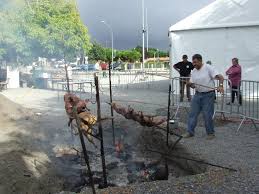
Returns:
(147, 29)
(111, 67)
(111, 31)
(143, 34)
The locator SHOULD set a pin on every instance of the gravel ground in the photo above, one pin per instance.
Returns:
(238, 151)
(215, 181)
(229, 149)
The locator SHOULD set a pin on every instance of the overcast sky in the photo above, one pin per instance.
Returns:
(125, 17)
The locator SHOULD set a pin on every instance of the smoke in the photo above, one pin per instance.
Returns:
(11, 39)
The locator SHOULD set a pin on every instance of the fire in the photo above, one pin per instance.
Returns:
(119, 146)
(145, 174)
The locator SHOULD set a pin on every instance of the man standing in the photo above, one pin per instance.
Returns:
(234, 75)
(184, 68)
(210, 63)
(202, 79)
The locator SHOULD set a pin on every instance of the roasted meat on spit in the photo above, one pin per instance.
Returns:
(144, 120)
(88, 119)
(72, 100)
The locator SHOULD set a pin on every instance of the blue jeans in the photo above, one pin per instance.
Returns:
(202, 102)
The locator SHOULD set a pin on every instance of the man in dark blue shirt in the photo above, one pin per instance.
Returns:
(184, 68)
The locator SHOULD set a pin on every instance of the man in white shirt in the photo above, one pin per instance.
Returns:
(202, 80)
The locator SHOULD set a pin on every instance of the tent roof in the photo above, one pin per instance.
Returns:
(222, 13)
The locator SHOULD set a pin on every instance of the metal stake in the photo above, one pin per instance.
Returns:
(168, 115)
(110, 87)
(68, 88)
(78, 122)
(100, 129)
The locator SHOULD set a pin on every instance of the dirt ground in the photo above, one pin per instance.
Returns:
(25, 166)
(34, 127)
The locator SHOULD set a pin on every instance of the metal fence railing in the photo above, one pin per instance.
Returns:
(246, 104)
(222, 100)
(181, 101)
(83, 81)
(125, 79)
(249, 96)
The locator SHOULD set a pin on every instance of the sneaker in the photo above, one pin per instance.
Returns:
(187, 135)
(210, 136)
(229, 103)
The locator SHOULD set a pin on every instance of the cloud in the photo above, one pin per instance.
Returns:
(125, 17)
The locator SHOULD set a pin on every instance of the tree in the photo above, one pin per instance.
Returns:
(13, 46)
(152, 52)
(128, 56)
(97, 53)
(45, 28)
(55, 29)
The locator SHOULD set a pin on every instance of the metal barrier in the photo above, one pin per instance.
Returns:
(125, 79)
(179, 85)
(222, 105)
(247, 106)
(82, 81)
(176, 96)
(249, 99)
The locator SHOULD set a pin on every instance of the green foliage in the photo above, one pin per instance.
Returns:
(155, 52)
(152, 52)
(13, 45)
(97, 53)
(128, 56)
(45, 28)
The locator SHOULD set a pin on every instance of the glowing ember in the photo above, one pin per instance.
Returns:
(145, 174)
(119, 147)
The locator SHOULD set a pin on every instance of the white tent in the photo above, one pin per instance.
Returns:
(219, 32)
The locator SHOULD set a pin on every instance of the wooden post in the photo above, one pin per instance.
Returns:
(78, 122)
(68, 87)
(110, 87)
(100, 129)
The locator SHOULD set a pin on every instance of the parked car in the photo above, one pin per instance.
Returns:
(117, 66)
(76, 68)
(88, 67)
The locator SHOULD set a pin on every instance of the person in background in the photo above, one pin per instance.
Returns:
(69, 72)
(184, 68)
(104, 68)
(234, 75)
(202, 80)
